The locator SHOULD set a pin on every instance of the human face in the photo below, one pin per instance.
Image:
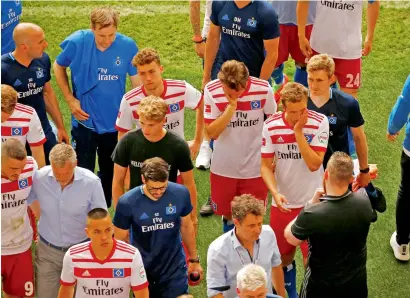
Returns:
(155, 188)
(294, 110)
(104, 37)
(250, 227)
(232, 93)
(37, 44)
(258, 293)
(100, 232)
(151, 129)
(12, 168)
(319, 83)
(64, 175)
(151, 75)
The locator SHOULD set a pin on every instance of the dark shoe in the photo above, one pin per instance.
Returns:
(206, 209)
(379, 201)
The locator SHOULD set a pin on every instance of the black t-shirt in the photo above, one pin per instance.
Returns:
(133, 149)
(343, 111)
(336, 230)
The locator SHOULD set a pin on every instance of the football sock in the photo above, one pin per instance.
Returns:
(290, 280)
(301, 75)
(227, 225)
(277, 74)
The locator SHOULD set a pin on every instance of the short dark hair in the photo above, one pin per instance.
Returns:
(246, 204)
(97, 213)
(14, 149)
(155, 169)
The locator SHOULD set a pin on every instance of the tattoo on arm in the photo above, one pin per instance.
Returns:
(195, 16)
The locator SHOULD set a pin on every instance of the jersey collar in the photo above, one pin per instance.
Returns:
(164, 83)
(114, 246)
(335, 198)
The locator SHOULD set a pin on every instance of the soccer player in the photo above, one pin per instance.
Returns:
(17, 170)
(102, 266)
(28, 70)
(235, 107)
(10, 17)
(246, 31)
(177, 94)
(21, 122)
(99, 60)
(295, 140)
(158, 212)
(343, 42)
(400, 240)
(336, 223)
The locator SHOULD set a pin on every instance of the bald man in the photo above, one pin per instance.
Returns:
(27, 70)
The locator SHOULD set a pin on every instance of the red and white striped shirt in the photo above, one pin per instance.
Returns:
(23, 125)
(294, 179)
(16, 231)
(236, 151)
(114, 277)
(177, 94)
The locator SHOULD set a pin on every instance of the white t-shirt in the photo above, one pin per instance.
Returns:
(207, 18)
(114, 277)
(16, 231)
(337, 30)
(294, 179)
(236, 151)
(177, 94)
(23, 125)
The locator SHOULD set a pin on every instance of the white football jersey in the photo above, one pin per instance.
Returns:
(23, 125)
(236, 151)
(294, 179)
(177, 94)
(337, 30)
(16, 231)
(114, 277)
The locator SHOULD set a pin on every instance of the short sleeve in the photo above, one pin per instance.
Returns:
(33, 195)
(67, 55)
(123, 217)
(48, 68)
(192, 97)
(270, 27)
(35, 136)
(125, 119)
(270, 105)
(211, 111)
(184, 157)
(303, 227)
(355, 116)
(216, 7)
(67, 274)
(186, 201)
(120, 154)
(132, 70)
(276, 257)
(97, 197)
(138, 275)
(321, 138)
(268, 148)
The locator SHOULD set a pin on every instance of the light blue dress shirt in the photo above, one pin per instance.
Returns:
(64, 212)
(226, 256)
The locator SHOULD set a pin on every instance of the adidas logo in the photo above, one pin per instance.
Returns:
(86, 273)
(17, 83)
(144, 216)
(280, 140)
(225, 18)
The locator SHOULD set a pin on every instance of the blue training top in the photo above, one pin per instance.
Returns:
(10, 17)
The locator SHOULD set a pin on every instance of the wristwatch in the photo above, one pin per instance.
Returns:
(196, 260)
(197, 39)
(365, 171)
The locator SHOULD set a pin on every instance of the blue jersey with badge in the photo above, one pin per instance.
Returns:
(156, 228)
(113, 64)
(244, 30)
(29, 83)
(10, 17)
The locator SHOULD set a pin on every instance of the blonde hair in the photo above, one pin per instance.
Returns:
(153, 108)
(321, 62)
(293, 92)
(234, 74)
(146, 56)
(246, 204)
(62, 153)
(104, 17)
(8, 99)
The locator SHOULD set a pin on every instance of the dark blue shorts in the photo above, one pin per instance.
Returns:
(169, 288)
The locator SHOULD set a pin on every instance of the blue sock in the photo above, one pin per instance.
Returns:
(371, 191)
(227, 225)
(211, 144)
(352, 147)
(290, 280)
(301, 76)
(277, 74)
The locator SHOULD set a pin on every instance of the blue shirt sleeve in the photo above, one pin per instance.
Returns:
(270, 23)
(32, 196)
(97, 197)
(186, 201)
(48, 67)
(355, 116)
(132, 70)
(67, 55)
(400, 113)
(216, 8)
(215, 272)
(123, 217)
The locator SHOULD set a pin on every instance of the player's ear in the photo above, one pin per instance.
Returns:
(143, 179)
(332, 79)
(87, 232)
(161, 69)
(351, 180)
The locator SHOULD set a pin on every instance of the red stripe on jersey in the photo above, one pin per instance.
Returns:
(174, 95)
(217, 82)
(176, 84)
(19, 119)
(318, 148)
(215, 88)
(219, 95)
(254, 79)
(283, 139)
(135, 103)
(126, 246)
(140, 287)
(208, 121)
(311, 126)
(30, 161)
(16, 185)
(120, 128)
(254, 93)
(273, 118)
(38, 143)
(133, 93)
(259, 83)
(126, 250)
(107, 261)
(7, 131)
(278, 127)
(244, 105)
(176, 107)
(80, 247)
(199, 102)
(313, 113)
(102, 272)
(207, 108)
(79, 251)
(25, 109)
(174, 81)
(27, 170)
(314, 118)
(135, 115)
(67, 284)
(268, 155)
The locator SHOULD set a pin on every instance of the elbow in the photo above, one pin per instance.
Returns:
(314, 167)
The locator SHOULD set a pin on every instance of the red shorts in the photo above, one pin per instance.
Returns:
(17, 274)
(179, 179)
(224, 189)
(278, 221)
(348, 72)
(289, 44)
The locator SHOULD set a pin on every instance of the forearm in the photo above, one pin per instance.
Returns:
(193, 195)
(35, 207)
(62, 81)
(199, 128)
(268, 66)
(38, 154)
(268, 177)
(362, 151)
(211, 48)
(121, 134)
(311, 158)
(373, 10)
(195, 16)
(278, 280)
(53, 108)
(302, 11)
(188, 237)
(141, 293)
(117, 191)
(66, 292)
(218, 125)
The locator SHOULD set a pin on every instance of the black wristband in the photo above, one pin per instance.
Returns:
(365, 171)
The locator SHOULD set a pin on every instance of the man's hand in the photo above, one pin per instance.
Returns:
(367, 47)
(362, 180)
(280, 201)
(194, 147)
(232, 101)
(62, 136)
(319, 193)
(75, 108)
(393, 137)
(200, 49)
(305, 48)
(301, 123)
(195, 267)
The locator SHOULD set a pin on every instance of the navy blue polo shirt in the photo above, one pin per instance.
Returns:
(29, 83)
(343, 111)
(244, 30)
(10, 17)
